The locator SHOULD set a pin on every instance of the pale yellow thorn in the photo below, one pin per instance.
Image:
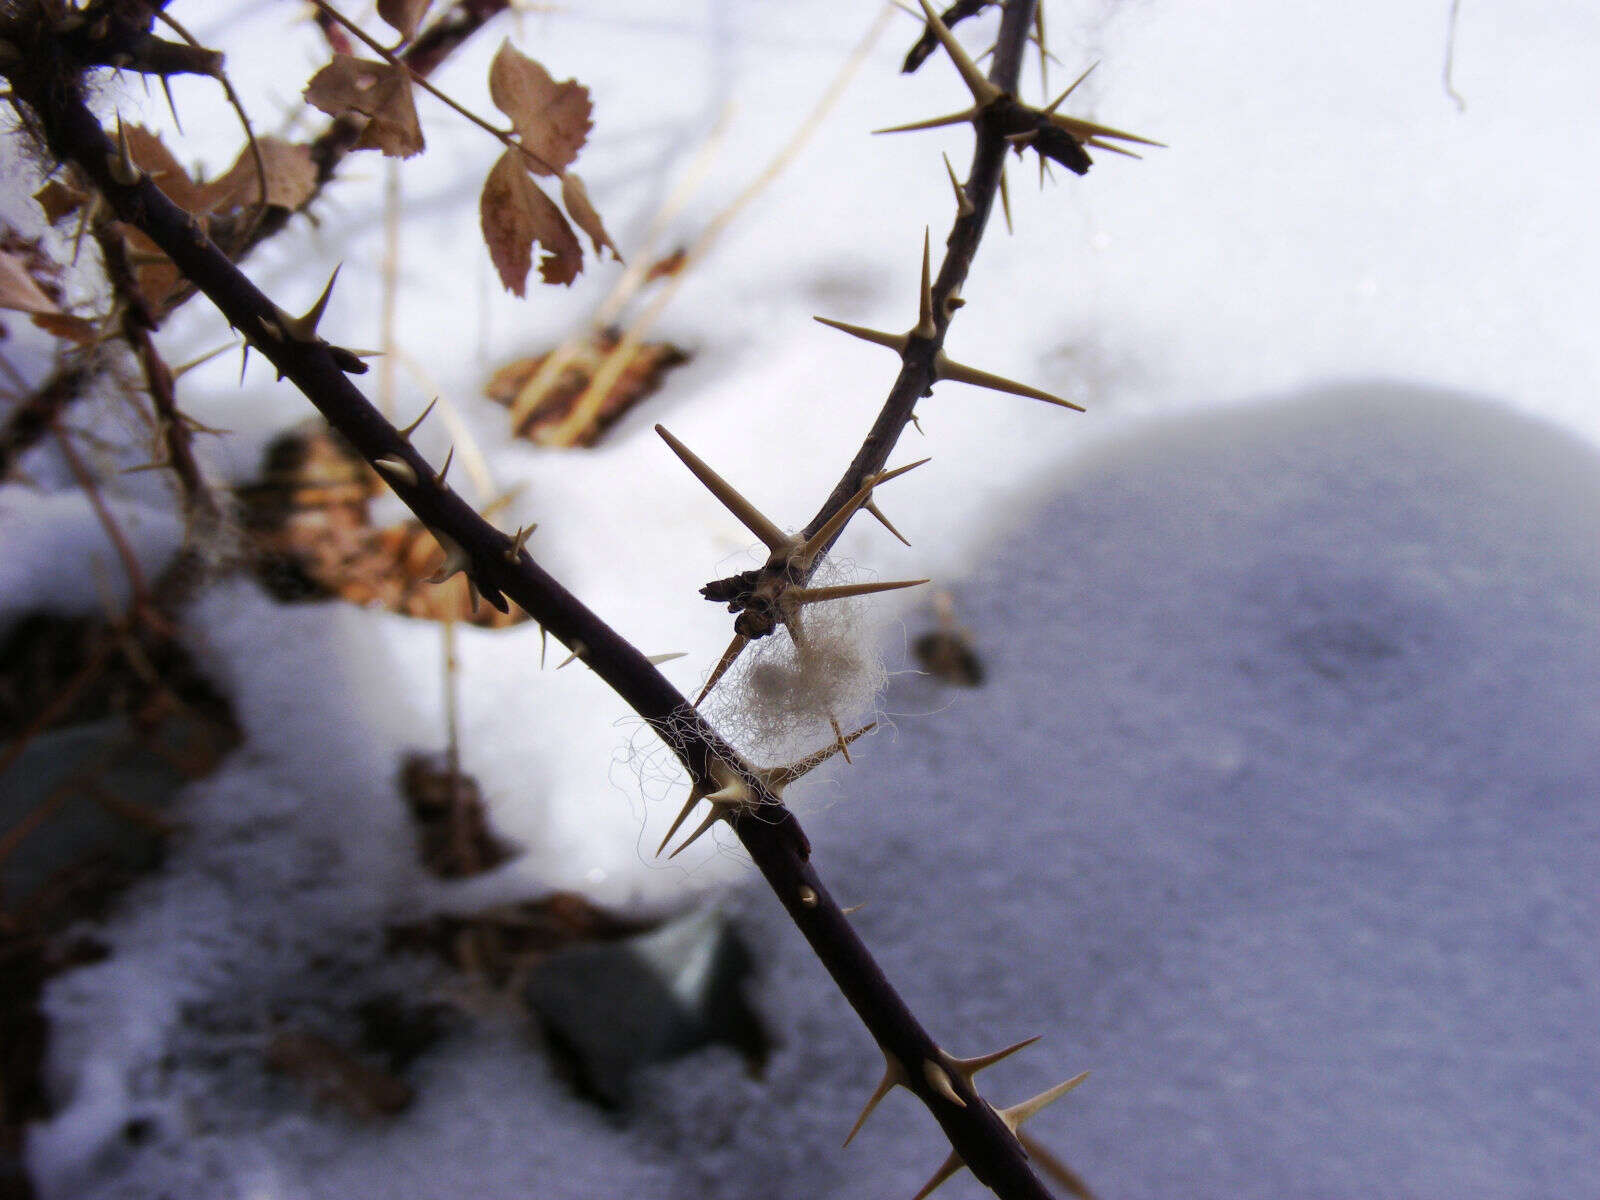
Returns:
(893, 1075)
(748, 515)
(519, 540)
(845, 591)
(697, 834)
(731, 792)
(449, 458)
(304, 327)
(735, 648)
(838, 734)
(179, 372)
(963, 117)
(1099, 145)
(1087, 129)
(894, 341)
(968, 1067)
(396, 468)
(413, 427)
(940, 1082)
(944, 368)
(853, 909)
(578, 651)
(982, 90)
(120, 165)
(872, 507)
(1018, 1113)
(544, 644)
(814, 545)
(1054, 1167)
(924, 327)
(1049, 109)
(655, 660)
(1005, 198)
(964, 206)
(455, 558)
(947, 1168)
(778, 778)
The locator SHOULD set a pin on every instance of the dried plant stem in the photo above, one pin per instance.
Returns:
(980, 1137)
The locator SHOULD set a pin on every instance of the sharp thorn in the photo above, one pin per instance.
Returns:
(304, 328)
(944, 368)
(778, 778)
(964, 206)
(775, 539)
(838, 734)
(244, 360)
(544, 644)
(819, 541)
(412, 428)
(982, 90)
(893, 1075)
(1083, 130)
(940, 1082)
(519, 540)
(853, 909)
(578, 651)
(845, 591)
(894, 341)
(449, 458)
(396, 468)
(957, 118)
(1099, 145)
(1005, 199)
(947, 1168)
(735, 648)
(1054, 1167)
(120, 165)
(166, 86)
(925, 327)
(697, 834)
(968, 1067)
(183, 369)
(1049, 109)
(872, 507)
(1018, 1113)
(655, 660)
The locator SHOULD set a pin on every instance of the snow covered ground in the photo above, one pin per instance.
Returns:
(1278, 808)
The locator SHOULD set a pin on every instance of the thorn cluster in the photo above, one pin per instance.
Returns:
(1051, 134)
(771, 596)
(729, 792)
(942, 366)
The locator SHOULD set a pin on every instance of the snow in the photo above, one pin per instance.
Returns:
(1277, 810)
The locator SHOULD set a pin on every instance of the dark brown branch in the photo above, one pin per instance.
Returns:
(500, 570)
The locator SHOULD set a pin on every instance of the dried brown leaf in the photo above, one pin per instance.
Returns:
(151, 156)
(291, 177)
(58, 200)
(551, 119)
(516, 214)
(375, 90)
(575, 198)
(403, 16)
(19, 291)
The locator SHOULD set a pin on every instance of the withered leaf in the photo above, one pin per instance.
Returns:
(291, 177)
(19, 291)
(152, 157)
(403, 15)
(375, 90)
(516, 214)
(575, 197)
(58, 200)
(551, 119)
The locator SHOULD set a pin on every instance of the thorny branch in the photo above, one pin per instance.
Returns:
(31, 419)
(46, 76)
